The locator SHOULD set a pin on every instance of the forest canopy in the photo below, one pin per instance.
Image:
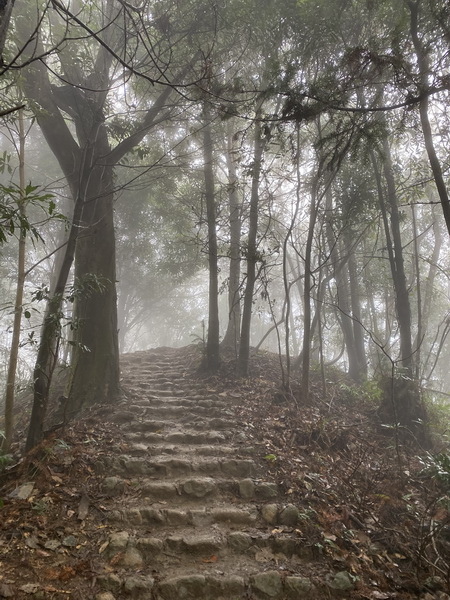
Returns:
(236, 173)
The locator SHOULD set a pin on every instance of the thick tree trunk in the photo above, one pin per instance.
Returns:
(6, 7)
(95, 369)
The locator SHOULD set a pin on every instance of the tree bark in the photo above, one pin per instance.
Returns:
(212, 358)
(252, 254)
(18, 308)
(231, 337)
(422, 61)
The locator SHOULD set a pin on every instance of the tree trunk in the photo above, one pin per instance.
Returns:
(252, 254)
(355, 299)
(422, 61)
(95, 368)
(48, 344)
(231, 338)
(307, 289)
(18, 308)
(341, 276)
(395, 253)
(6, 7)
(212, 358)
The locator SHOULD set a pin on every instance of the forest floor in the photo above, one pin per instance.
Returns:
(207, 488)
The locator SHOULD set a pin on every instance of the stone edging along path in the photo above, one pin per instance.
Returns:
(192, 516)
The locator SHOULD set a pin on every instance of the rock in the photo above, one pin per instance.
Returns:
(246, 488)
(229, 586)
(149, 547)
(267, 491)
(289, 516)
(199, 488)
(239, 541)
(190, 587)
(109, 582)
(269, 513)
(22, 492)
(342, 581)
(113, 485)
(104, 596)
(137, 586)
(69, 541)
(118, 540)
(268, 584)
(298, 587)
(132, 558)
(238, 468)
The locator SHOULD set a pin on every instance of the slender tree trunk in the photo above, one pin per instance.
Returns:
(231, 338)
(398, 268)
(47, 350)
(418, 284)
(307, 289)
(340, 273)
(212, 342)
(395, 253)
(355, 299)
(252, 254)
(18, 308)
(422, 61)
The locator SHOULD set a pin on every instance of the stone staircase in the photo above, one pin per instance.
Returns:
(192, 516)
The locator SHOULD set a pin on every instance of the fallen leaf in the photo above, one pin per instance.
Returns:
(211, 559)
(83, 507)
(29, 588)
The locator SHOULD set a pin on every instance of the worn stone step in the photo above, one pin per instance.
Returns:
(189, 546)
(175, 467)
(144, 449)
(185, 437)
(147, 410)
(180, 403)
(192, 488)
(196, 422)
(212, 584)
(205, 517)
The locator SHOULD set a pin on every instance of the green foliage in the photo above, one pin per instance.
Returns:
(438, 467)
(13, 199)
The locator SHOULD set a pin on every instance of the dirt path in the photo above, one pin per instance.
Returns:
(192, 515)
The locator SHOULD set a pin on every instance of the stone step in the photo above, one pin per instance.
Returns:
(217, 586)
(196, 422)
(175, 467)
(146, 409)
(185, 437)
(139, 448)
(149, 390)
(192, 489)
(268, 514)
(189, 546)
(184, 403)
(155, 515)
